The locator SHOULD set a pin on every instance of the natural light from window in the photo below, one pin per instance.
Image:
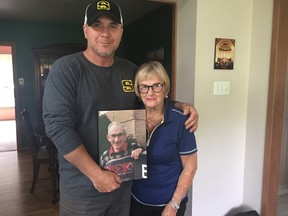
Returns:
(6, 81)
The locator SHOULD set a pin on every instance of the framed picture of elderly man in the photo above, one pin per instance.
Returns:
(122, 143)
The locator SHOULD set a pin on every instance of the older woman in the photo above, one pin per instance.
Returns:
(171, 151)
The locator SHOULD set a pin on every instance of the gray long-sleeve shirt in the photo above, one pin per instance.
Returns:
(75, 91)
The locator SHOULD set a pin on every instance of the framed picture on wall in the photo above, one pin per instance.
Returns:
(224, 54)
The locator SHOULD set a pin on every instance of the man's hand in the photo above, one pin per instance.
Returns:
(106, 181)
(103, 181)
(192, 122)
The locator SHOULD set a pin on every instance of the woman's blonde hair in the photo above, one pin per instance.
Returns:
(148, 69)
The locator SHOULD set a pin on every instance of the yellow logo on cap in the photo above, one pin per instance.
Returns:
(127, 86)
(103, 5)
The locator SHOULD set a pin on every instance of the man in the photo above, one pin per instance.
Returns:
(77, 87)
(120, 157)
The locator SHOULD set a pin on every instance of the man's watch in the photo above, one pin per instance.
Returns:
(176, 206)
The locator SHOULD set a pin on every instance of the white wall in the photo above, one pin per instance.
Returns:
(231, 128)
(257, 101)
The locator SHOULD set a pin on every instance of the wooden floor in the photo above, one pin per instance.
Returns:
(15, 183)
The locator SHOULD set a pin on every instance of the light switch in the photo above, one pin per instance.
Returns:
(221, 88)
(21, 81)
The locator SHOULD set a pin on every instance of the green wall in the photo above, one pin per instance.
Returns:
(27, 35)
(148, 33)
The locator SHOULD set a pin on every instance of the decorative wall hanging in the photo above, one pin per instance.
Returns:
(224, 54)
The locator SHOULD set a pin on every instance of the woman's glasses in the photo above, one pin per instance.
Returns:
(156, 87)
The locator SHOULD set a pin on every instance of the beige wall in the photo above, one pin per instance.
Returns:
(231, 128)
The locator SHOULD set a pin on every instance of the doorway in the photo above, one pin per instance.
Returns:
(8, 137)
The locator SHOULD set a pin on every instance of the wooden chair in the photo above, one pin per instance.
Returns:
(54, 167)
(43, 152)
(39, 152)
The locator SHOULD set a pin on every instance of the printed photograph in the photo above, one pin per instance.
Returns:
(122, 143)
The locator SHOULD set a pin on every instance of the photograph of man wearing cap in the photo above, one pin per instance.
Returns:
(77, 87)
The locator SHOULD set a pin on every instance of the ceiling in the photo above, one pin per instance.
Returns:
(67, 11)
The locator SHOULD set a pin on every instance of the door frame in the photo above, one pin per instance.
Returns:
(275, 108)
